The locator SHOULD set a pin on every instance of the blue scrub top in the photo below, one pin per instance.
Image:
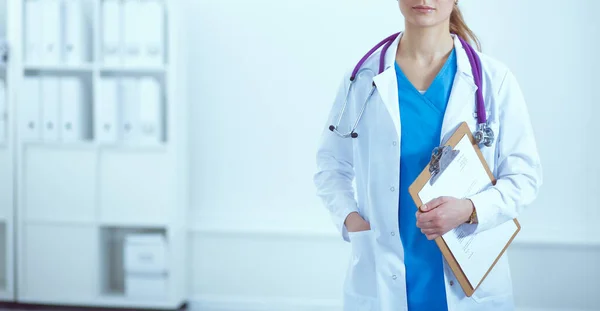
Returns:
(421, 115)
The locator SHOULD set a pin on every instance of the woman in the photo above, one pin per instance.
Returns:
(425, 92)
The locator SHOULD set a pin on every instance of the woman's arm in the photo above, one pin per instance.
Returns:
(335, 168)
(519, 172)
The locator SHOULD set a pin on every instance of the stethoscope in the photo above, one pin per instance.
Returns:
(483, 134)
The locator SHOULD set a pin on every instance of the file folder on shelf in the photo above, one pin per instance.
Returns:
(111, 32)
(132, 31)
(50, 109)
(129, 110)
(150, 111)
(51, 34)
(106, 123)
(152, 32)
(74, 110)
(3, 113)
(30, 112)
(34, 45)
(75, 29)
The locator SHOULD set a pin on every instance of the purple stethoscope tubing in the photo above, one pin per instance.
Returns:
(484, 134)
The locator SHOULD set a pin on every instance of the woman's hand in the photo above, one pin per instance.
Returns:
(442, 215)
(355, 223)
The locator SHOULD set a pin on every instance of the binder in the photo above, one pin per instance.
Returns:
(51, 34)
(442, 160)
(30, 110)
(74, 46)
(111, 32)
(132, 32)
(106, 122)
(150, 111)
(73, 110)
(33, 31)
(3, 113)
(50, 109)
(129, 110)
(152, 31)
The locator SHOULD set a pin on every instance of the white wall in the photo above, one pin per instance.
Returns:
(262, 77)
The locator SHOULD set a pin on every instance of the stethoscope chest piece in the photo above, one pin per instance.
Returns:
(484, 135)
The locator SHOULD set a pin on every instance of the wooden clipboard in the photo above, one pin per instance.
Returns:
(425, 177)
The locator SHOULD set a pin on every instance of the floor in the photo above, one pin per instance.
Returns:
(23, 307)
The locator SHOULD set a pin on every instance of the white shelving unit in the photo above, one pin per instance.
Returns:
(7, 167)
(77, 201)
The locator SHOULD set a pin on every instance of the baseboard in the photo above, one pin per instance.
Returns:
(229, 303)
(526, 238)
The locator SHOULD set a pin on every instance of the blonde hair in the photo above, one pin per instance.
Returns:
(459, 27)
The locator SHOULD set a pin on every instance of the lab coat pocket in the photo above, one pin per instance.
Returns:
(360, 290)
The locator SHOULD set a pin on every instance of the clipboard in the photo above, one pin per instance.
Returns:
(441, 157)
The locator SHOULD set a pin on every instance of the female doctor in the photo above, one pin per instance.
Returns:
(425, 91)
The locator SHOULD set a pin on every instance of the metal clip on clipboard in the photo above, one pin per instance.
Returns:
(441, 157)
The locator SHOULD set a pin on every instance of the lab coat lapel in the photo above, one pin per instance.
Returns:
(462, 94)
(387, 85)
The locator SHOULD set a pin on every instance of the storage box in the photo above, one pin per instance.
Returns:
(145, 253)
(146, 285)
(145, 265)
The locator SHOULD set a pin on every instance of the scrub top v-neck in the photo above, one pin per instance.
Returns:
(421, 116)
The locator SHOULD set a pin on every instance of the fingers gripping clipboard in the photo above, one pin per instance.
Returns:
(458, 169)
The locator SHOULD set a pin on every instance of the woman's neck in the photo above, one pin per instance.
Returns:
(425, 44)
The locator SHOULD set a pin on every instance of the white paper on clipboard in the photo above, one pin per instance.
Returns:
(463, 177)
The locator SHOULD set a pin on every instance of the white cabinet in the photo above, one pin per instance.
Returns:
(98, 152)
(60, 263)
(59, 184)
(8, 78)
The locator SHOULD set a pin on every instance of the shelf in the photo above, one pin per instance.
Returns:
(159, 147)
(131, 225)
(133, 69)
(91, 145)
(61, 68)
(41, 143)
(108, 301)
(93, 193)
(116, 300)
(59, 223)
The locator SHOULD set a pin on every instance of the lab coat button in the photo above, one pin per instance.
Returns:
(393, 233)
(394, 143)
(451, 283)
(392, 189)
(394, 277)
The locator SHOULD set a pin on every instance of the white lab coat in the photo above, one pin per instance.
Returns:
(376, 273)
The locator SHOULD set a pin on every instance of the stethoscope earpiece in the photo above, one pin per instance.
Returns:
(352, 134)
